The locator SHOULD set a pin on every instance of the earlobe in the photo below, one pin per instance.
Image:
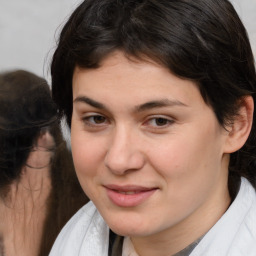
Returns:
(241, 127)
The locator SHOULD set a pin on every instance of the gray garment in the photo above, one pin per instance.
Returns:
(186, 251)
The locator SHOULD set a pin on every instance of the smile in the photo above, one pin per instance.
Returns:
(128, 196)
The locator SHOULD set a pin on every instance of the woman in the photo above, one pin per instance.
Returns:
(159, 96)
(38, 189)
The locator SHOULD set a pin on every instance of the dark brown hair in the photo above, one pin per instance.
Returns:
(203, 40)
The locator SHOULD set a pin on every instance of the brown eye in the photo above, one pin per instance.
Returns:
(161, 121)
(98, 119)
(95, 120)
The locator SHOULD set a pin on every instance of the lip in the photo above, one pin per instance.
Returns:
(128, 196)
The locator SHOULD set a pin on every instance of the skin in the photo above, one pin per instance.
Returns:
(135, 123)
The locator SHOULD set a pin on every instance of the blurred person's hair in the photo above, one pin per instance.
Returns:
(26, 112)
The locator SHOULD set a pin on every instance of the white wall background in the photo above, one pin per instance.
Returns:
(28, 28)
(247, 11)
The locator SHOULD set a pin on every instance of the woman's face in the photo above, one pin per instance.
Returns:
(147, 149)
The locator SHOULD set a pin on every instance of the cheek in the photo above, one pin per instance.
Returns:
(87, 156)
(171, 159)
(188, 169)
(86, 161)
(187, 159)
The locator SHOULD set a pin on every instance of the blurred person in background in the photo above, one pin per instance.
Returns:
(39, 190)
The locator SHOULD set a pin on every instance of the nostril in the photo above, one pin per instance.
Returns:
(124, 162)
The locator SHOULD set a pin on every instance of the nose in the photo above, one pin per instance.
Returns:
(124, 154)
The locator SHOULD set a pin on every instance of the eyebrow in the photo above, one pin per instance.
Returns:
(159, 104)
(140, 108)
(91, 102)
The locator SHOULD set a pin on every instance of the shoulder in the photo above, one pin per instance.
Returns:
(235, 232)
(84, 231)
(244, 242)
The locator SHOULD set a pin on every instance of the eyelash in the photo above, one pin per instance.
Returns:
(165, 122)
(87, 120)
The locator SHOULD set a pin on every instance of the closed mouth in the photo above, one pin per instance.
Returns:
(128, 196)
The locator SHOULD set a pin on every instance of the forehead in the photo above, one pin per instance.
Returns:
(143, 80)
(118, 63)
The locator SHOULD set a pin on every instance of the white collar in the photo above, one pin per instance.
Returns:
(128, 248)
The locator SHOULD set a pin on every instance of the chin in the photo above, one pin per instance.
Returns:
(128, 222)
(128, 229)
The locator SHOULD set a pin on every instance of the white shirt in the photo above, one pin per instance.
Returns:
(86, 234)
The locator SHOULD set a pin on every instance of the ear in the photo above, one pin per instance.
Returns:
(239, 131)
